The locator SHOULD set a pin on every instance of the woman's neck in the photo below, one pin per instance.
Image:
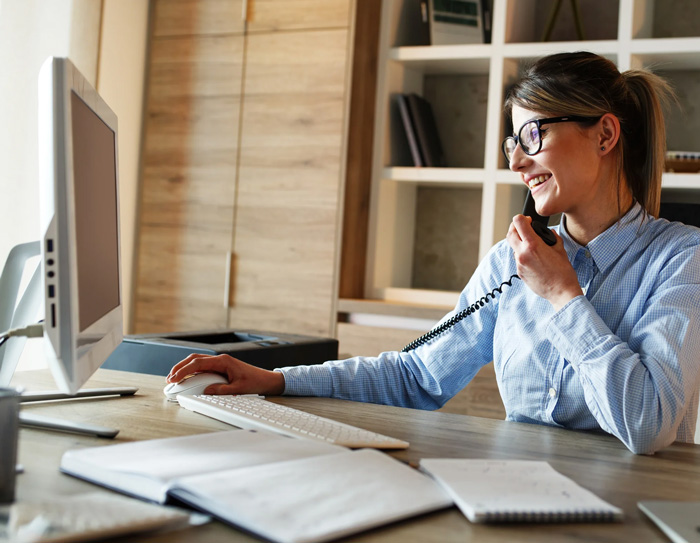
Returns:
(584, 228)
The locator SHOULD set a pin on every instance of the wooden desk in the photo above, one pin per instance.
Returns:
(598, 462)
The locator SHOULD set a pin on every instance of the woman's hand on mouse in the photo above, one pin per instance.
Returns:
(545, 270)
(242, 378)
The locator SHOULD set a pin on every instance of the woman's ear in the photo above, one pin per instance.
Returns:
(608, 133)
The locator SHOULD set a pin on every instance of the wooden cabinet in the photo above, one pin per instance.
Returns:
(243, 165)
(189, 164)
(290, 172)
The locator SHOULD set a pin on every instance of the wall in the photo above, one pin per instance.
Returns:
(31, 31)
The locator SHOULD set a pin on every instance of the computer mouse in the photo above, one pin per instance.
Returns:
(194, 384)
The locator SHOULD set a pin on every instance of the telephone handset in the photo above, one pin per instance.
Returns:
(539, 225)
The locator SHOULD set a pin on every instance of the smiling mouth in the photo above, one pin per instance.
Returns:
(532, 183)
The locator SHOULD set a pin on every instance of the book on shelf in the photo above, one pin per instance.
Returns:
(425, 131)
(456, 22)
(409, 130)
(423, 34)
(516, 491)
(282, 489)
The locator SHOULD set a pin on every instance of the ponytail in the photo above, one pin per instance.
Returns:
(644, 136)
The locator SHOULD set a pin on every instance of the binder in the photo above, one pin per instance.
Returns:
(426, 132)
(409, 130)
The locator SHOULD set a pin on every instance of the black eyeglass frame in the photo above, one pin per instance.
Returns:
(538, 123)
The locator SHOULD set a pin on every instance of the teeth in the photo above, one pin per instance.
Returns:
(537, 180)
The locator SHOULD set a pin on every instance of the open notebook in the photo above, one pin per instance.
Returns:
(283, 489)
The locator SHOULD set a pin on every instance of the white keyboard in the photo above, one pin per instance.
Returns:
(87, 517)
(255, 413)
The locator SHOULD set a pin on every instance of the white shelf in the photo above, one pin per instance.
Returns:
(607, 48)
(667, 53)
(445, 59)
(442, 298)
(507, 177)
(681, 181)
(466, 176)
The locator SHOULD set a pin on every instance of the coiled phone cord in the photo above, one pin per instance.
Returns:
(481, 302)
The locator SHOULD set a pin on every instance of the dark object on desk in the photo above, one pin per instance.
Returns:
(426, 131)
(156, 354)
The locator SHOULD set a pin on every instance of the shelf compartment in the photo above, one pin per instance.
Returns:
(666, 19)
(526, 21)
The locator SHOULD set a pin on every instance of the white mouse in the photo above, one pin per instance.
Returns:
(194, 384)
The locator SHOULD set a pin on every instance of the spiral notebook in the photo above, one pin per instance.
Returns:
(516, 491)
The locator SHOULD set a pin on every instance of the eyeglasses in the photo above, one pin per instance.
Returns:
(530, 135)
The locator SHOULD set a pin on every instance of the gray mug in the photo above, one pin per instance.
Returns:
(9, 433)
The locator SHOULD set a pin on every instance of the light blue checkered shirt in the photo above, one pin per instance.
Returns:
(624, 358)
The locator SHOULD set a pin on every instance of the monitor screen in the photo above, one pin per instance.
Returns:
(80, 224)
(96, 222)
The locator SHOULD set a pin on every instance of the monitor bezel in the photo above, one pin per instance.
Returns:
(72, 355)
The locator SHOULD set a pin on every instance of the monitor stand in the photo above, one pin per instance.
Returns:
(15, 314)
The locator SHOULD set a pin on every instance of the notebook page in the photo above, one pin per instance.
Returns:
(516, 490)
(317, 499)
(145, 468)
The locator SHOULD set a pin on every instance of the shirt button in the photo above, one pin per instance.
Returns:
(552, 393)
(588, 254)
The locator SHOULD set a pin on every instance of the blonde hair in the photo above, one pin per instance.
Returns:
(589, 85)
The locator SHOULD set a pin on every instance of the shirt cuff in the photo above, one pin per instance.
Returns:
(311, 380)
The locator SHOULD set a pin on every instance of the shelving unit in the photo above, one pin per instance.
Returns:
(466, 85)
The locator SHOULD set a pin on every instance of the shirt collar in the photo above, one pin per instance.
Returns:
(607, 247)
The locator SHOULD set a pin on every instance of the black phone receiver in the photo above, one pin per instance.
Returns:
(539, 223)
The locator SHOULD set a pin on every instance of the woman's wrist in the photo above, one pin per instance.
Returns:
(275, 383)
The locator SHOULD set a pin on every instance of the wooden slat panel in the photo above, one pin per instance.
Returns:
(353, 263)
(188, 182)
(271, 15)
(197, 17)
(289, 180)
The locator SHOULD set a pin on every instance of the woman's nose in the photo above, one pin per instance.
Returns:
(518, 159)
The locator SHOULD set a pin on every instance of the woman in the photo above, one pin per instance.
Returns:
(603, 330)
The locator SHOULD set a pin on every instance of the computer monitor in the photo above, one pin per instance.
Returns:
(79, 210)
